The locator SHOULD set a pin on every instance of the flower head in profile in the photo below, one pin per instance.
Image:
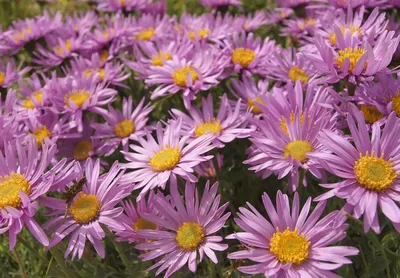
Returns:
(155, 160)
(291, 3)
(188, 229)
(287, 135)
(277, 15)
(369, 168)
(356, 3)
(92, 206)
(9, 73)
(23, 179)
(228, 125)
(220, 3)
(151, 27)
(291, 243)
(133, 221)
(188, 75)
(300, 28)
(119, 5)
(34, 92)
(122, 126)
(248, 54)
(211, 168)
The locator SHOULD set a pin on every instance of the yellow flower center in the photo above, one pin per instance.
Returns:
(158, 60)
(306, 23)
(374, 173)
(292, 118)
(251, 103)
(190, 235)
(353, 54)
(166, 159)
(122, 3)
(2, 78)
(180, 76)
(124, 128)
(9, 190)
(396, 104)
(297, 73)
(60, 50)
(289, 246)
(213, 126)
(103, 56)
(82, 150)
(371, 113)
(41, 134)
(243, 56)
(201, 33)
(85, 209)
(28, 103)
(143, 224)
(298, 150)
(76, 96)
(146, 34)
(106, 33)
(89, 71)
(353, 29)
(22, 34)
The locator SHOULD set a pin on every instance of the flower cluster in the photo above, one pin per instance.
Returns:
(134, 125)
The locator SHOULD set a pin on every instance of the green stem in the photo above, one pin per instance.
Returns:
(31, 249)
(351, 88)
(300, 177)
(60, 261)
(121, 252)
(48, 266)
(21, 266)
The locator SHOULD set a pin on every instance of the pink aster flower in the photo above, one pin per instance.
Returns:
(190, 75)
(110, 73)
(82, 22)
(300, 28)
(9, 73)
(132, 219)
(353, 59)
(228, 125)
(154, 161)
(355, 3)
(291, 243)
(122, 126)
(289, 65)
(23, 180)
(188, 228)
(278, 14)
(210, 168)
(248, 54)
(250, 92)
(291, 3)
(93, 206)
(74, 94)
(219, 3)
(35, 94)
(370, 168)
(120, 5)
(151, 27)
(287, 135)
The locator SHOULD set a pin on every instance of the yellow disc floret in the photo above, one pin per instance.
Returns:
(289, 246)
(252, 103)
(76, 96)
(243, 56)
(82, 150)
(296, 73)
(180, 76)
(146, 34)
(2, 78)
(28, 103)
(352, 54)
(213, 126)
(190, 235)
(201, 33)
(60, 50)
(143, 224)
(85, 209)
(124, 128)
(298, 150)
(396, 103)
(41, 134)
(162, 56)
(10, 186)
(166, 159)
(375, 173)
(371, 113)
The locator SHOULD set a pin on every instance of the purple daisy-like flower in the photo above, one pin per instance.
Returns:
(122, 126)
(74, 94)
(35, 93)
(291, 243)
(120, 5)
(250, 92)
(23, 180)
(277, 15)
(220, 3)
(289, 65)
(356, 3)
(291, 3)
(248, 54)
(228, 125)
(190, 75)
(188, 228)
(133, 220)
(9, 73)
(300, 28)
(353, 59)
(155, 161)
(93, 206)
(370, 168)
(110, 73)
(286, 136)
(151, 27)
(210, 168)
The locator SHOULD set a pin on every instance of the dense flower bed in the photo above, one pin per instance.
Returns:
(261, 143)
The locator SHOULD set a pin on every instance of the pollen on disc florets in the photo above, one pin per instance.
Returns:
(190, 235)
